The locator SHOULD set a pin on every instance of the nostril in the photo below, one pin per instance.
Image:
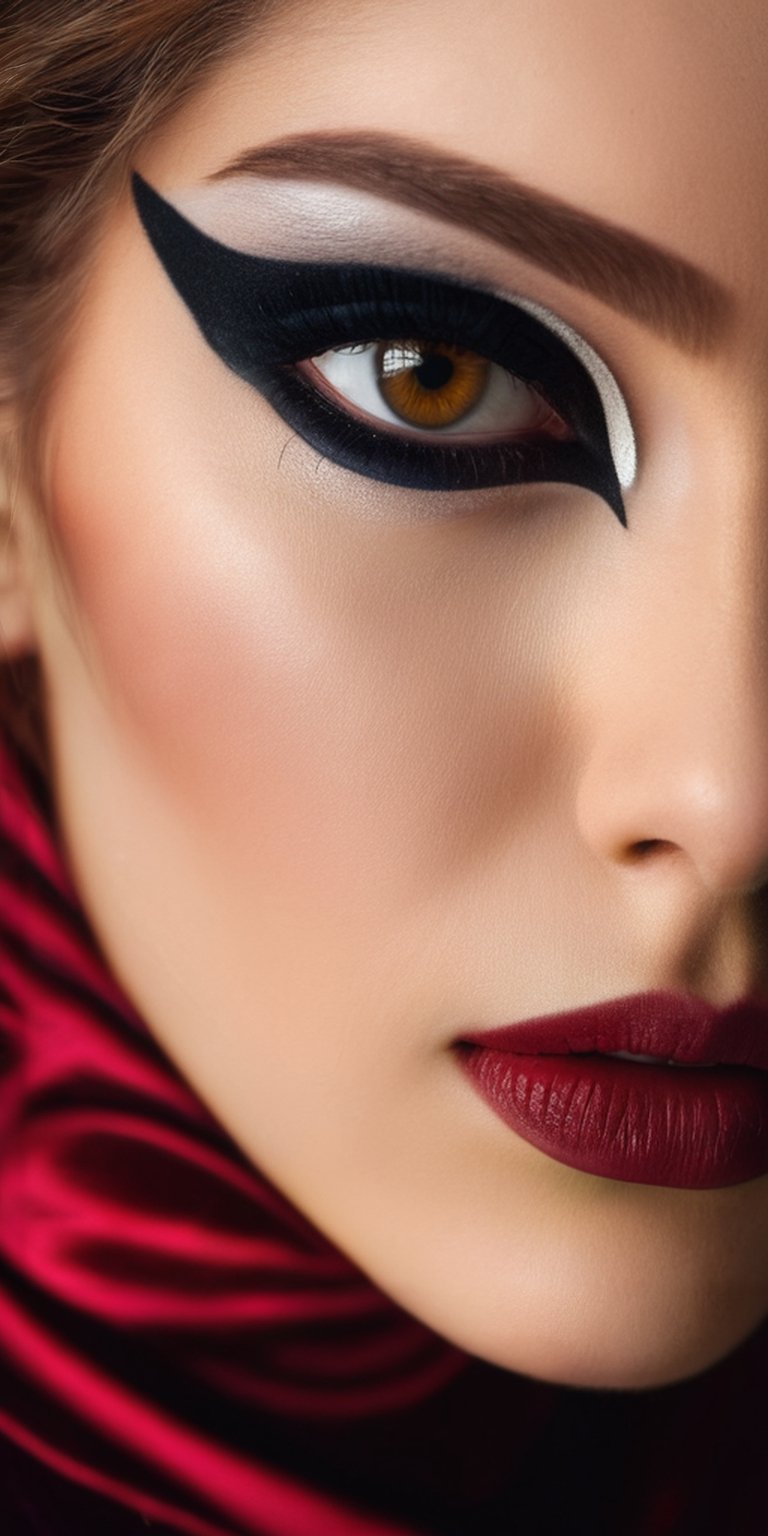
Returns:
(647, 845)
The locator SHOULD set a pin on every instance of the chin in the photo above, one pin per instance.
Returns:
(604, 1358)
(627, 1341)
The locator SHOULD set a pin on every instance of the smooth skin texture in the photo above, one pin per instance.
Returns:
(345, 770)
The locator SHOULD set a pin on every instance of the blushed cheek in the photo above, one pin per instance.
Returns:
(206, 654)
(310, 711)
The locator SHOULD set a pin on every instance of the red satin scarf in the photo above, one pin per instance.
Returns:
(164, 1309)
(177, 1338)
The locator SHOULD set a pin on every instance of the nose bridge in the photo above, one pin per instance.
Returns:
(682, 758)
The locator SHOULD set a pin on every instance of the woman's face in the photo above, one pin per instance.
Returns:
(348, 767)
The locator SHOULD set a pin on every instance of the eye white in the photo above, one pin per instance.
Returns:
(507, 404)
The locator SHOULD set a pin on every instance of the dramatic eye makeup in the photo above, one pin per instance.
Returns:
(400, 375)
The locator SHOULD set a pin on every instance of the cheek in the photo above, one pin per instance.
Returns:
(213, 660)
(329, 700)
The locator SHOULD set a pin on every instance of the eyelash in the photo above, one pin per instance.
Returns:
(267, 319)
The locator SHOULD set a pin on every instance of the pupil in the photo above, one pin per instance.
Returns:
(435, 371)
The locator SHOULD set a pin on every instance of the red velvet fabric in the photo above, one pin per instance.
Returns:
(178, 1343)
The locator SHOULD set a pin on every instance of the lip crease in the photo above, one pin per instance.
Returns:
(555, 1080)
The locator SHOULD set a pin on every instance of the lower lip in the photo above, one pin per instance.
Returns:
(683, 1127)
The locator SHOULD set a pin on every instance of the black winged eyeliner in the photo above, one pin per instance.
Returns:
(262, 316)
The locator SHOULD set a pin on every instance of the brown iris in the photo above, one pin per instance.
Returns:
(430, 384)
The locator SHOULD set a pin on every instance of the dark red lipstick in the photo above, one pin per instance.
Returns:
(696, 1119)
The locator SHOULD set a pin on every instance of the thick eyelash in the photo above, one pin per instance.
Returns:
(264, 316)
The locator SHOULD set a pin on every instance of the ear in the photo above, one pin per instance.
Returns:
(17, 631)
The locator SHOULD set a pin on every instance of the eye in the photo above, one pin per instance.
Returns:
(401, 375)
(433, 387)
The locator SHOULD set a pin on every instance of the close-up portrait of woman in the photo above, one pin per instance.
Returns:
(383, 768)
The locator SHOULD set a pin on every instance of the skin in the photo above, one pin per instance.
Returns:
(344, 770)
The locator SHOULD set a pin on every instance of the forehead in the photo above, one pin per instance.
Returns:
(653, 116)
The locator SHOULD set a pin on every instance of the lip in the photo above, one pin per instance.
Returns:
(699, 1124)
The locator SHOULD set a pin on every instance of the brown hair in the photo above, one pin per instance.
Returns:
(82, 82)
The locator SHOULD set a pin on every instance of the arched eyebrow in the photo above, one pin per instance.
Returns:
(666, 293)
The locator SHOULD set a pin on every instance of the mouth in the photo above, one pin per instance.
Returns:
(655, 1088)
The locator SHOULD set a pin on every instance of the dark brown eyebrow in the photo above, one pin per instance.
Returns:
(664, 291)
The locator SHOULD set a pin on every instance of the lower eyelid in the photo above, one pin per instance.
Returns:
(437, 466)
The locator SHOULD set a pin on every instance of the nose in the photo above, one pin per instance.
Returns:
(677, 738)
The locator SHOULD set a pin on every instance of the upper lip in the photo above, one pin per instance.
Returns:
(673, 1025)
